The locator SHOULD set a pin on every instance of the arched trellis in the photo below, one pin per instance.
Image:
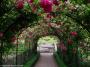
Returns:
(16, 25)
(72, 55)
(20, 27)
(37, 38)
(53, 31)
(45, 31)
(14, 29)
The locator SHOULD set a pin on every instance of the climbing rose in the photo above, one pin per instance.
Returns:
(1, 34)
(30, 1)
(49, 24)
(20, 4)
(34, 8)
(73, 33)
(13, 38)
(56, 2)
(63, 47)
(30, 36)
(46, 5)
(70, 41)
(30, 33)
(48, 16)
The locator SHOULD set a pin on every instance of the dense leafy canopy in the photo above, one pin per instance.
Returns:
(66, 19)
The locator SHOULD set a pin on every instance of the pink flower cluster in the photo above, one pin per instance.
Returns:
(13, 38)
(45, 4)
(70, 41)
(19, 4)
(56, 2)
(30, 34)
(48, 4)
(63, 47)
(30, 1)
(1, 34)
(73, 33)
(49, 24)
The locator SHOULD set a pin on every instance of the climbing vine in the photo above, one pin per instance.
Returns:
(67, 19)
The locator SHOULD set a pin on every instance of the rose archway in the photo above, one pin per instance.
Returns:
(59, 18)
(69, 43)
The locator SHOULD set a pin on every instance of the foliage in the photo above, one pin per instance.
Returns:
(32, 60)
(80, 15)
(59, 61)
(48, 39)
(60, 19)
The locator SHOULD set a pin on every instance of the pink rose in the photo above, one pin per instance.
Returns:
(73, 33)
(56, 2)
(20, 4)
(1, 34)
(46, 5)
(13, 38)
(70, 41)
(30, 1)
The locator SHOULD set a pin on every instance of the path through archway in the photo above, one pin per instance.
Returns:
(47, 46)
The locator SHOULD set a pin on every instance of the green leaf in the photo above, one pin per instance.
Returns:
(27, 6)
(36, 1)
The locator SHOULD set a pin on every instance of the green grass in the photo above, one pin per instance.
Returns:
(32, 60)
(21, 48)
(59, 61)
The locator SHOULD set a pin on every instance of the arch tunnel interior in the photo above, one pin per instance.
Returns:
(47, 44)
(44, 33)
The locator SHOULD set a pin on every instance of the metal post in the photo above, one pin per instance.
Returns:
(1, 54)
(17, 52)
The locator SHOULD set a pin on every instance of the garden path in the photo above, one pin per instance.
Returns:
(46, 60)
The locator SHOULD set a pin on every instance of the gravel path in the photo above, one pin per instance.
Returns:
(46, 60)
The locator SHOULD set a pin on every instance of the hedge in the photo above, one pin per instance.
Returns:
(59, 61)
(32, 60)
